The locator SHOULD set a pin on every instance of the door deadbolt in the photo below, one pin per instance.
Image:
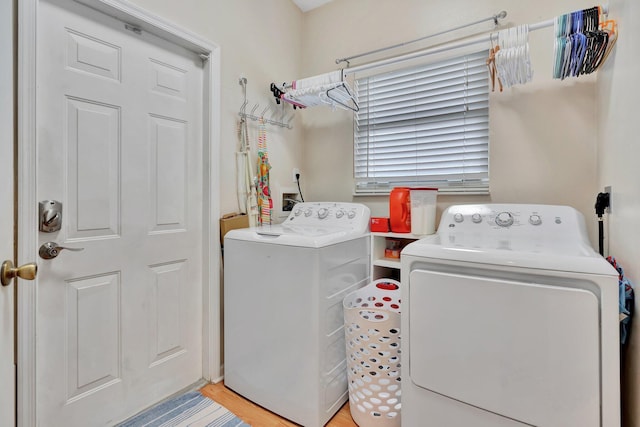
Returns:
(50, 216)
(51, 250)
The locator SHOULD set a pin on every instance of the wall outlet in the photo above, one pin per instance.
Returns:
(296, 171)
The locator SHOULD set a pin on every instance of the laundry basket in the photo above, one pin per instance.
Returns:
(372, 332)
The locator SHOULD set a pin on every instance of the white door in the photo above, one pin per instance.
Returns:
(119, 144)
(7, 376)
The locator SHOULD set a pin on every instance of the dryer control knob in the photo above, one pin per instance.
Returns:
(297, 212)
(308, 212)
(535, 220)
(351, 214)
(339, 214)
(476, 217)
(458, 217)
(504, 219)
(322, 213)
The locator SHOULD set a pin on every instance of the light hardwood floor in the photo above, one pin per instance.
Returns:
(257, 416)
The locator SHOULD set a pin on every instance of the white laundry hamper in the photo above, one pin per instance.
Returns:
(372, 332)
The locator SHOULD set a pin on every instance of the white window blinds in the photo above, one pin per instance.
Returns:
(427, 125)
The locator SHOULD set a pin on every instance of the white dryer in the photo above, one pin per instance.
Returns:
(284, 345)
(509, 318)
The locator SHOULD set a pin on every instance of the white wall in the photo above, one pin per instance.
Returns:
(259, 40)
(618, 154)
(542, 135)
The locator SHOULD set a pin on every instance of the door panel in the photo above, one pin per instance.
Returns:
(94, 169)
(7, 367)
(92, 331)
(168, 178)
(120, 145)
(167, 330)
(520, 349)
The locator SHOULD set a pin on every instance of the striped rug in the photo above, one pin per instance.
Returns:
(188, 410)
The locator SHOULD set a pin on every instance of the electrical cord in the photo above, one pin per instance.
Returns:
(299, 189)
(602, 203)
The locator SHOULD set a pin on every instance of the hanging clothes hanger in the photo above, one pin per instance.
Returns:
(512, 60)
(491, 64)
(583, 41)
(610, 27)
(347, 101)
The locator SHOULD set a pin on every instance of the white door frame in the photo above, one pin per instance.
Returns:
(27, 203)
(7, 307)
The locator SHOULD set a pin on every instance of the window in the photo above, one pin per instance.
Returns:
(427, 125)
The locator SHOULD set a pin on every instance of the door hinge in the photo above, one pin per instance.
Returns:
(133, 28)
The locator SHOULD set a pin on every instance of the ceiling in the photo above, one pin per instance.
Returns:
(307, 5)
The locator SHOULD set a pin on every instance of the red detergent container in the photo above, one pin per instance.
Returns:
(400, 210)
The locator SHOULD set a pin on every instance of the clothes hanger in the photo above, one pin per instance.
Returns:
(491, 64)
(610, 27)
(335, 99)
(502, 58)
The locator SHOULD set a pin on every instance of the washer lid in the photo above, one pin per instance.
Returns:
(309, 237)
(312, 224)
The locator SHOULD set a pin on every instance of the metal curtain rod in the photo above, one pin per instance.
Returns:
(430, 51)
(450, 46)
(494, 18)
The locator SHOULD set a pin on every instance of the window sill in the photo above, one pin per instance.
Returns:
(441, 192)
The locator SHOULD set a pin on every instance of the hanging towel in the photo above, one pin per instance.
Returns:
(242, 174)
(323, 79)
(310, 96)
(265, 204)
(246, 189)
(626, 301)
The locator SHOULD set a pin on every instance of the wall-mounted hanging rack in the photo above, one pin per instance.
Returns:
(269, 110)
(494, 18)
(326, 89)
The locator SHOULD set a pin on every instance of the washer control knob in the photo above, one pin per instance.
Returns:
(340, 214)
(297, 212)
(504, 219)
(308, 212)
(458, 217)
(351, 214)
(535, 219)
(322, 213)
(476, 218)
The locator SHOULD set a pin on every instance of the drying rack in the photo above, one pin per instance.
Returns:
(337, 95)
(269, 109)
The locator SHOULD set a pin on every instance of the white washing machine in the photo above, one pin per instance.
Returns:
(509, 318)
(284, 345)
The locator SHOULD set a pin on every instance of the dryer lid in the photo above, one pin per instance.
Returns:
(527, 236)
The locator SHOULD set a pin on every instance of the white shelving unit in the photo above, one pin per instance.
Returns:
(382, 267)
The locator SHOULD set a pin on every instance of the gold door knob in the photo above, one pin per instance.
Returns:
(26, 272)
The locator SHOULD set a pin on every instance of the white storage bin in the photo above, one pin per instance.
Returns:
(372, 332)
(423, 210)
